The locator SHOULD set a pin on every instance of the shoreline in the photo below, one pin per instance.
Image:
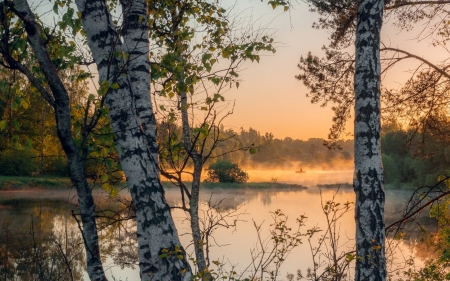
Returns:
(10, 183)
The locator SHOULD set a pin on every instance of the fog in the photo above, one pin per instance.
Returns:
(307, 178)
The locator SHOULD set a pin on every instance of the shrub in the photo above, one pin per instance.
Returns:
(17, 162)
(225, 171)
(58, 166)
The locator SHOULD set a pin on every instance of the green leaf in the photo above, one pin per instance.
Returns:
(104, 86)
(114, 192)
(237, 85)
(28, 143)
(115, 86)
(206, 57)
(226, 54)
(3, 124)
(106, 186)
(104, 178)
(24, 103)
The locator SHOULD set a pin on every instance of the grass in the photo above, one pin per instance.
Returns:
(50, 182)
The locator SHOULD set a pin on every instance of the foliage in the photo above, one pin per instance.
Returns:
(436, 239)
(44, 248)
(17, 162)
(331, 261)
(269, 253)
(416, 158)
(225, 171)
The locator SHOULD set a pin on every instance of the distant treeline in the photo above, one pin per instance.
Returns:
(31, 148)
(292, 153)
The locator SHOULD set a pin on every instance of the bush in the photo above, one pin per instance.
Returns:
(225, 171)
(58, 166)
(17, 162)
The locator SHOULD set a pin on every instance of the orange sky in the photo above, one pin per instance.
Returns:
(270, 99)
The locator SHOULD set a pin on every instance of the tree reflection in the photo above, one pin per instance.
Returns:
(39, 244)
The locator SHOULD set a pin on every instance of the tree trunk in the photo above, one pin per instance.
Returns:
(161, 256)
(195, 191)
(368, 177)
(64, 131)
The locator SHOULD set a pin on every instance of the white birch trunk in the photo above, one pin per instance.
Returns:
(161, 256)
(368, 177)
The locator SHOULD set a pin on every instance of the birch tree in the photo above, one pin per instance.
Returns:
(192, 90)
(368, 176)
(123, 64)
(330, 78)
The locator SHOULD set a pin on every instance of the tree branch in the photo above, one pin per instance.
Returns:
(439, 70)
(410, 3)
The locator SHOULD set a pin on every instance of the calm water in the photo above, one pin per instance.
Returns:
(37, 226)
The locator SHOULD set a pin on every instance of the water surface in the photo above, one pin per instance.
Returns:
(38, 225)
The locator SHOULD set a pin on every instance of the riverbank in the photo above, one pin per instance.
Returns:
(52, 182)
(8, 183)
(41, 182)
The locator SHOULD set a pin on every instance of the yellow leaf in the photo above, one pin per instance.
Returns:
(3, 124)
(115, 86)
(114, 191)
(106, 186)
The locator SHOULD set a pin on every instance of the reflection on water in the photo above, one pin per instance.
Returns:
(39, 240)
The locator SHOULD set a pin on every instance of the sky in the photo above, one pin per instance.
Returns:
(270, 99)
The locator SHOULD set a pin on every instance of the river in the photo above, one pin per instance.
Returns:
(37, 226)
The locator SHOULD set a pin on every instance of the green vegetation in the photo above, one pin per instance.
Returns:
(21, 182)
(17, 162)
(225, 171)
(413, 159)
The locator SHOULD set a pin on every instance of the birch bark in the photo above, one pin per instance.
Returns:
(161, 256)
(64, 131)
(368, 176)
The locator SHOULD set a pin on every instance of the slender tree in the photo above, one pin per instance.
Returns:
(368, 176)
(57, 96)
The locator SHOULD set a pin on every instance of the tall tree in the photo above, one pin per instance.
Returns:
(57, 96)
(330, 79)
(196, 79)
(124, 69)
(368, 176)
(123, 64)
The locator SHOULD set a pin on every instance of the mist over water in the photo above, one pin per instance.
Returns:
(309, 178)
(250, 205)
